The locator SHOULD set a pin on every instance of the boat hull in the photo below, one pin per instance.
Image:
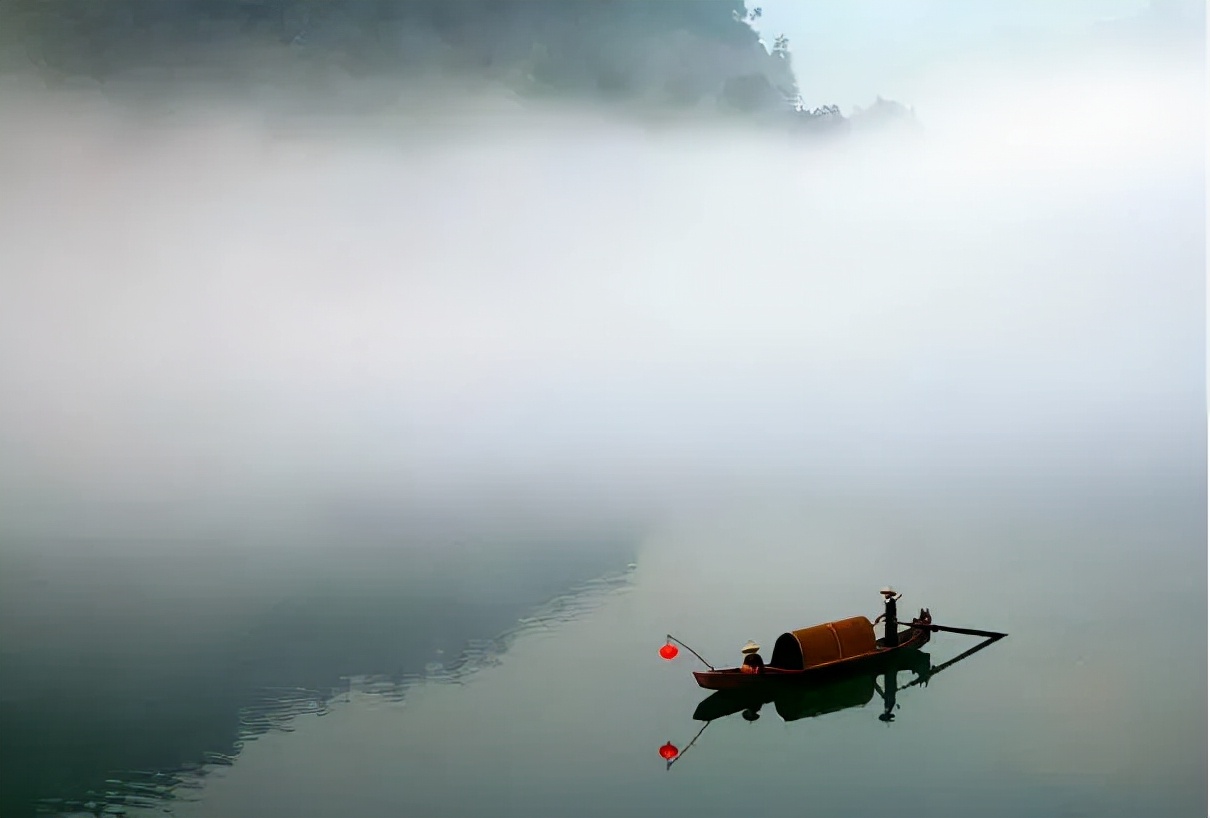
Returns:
(883, 656)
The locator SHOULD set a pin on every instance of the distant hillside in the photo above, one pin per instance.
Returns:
(697, 56)
(672, 53)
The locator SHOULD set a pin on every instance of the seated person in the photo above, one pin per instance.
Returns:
(752, 663)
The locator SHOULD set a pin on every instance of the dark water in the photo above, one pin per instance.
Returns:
(519, 675)
(128, 667)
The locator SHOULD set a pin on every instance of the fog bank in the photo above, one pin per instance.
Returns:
(212, 313)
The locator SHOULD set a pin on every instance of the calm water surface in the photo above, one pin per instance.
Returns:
(519, 676)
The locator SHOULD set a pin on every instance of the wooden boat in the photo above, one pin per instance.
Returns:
(793, 702)
(821, 653)
(842, 686)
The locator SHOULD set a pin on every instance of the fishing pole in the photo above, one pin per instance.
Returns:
(672, 638)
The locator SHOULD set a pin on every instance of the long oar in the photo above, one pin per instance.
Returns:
(948, 629)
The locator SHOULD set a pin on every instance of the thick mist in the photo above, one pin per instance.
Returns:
(218, 315)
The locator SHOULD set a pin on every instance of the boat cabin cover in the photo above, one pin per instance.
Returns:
(808, 647)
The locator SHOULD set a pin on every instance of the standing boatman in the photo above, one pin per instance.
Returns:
(891, 617)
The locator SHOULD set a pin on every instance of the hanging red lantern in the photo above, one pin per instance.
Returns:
(669, 651)
(669, 751)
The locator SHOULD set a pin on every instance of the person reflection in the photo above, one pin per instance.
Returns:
(890, 684)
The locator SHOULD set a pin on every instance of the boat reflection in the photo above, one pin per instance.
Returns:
(794, 702)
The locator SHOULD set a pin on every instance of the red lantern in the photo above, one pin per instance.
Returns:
(669, 751)
(669, 651)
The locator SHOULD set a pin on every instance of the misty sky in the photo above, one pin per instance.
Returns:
(847, 53)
